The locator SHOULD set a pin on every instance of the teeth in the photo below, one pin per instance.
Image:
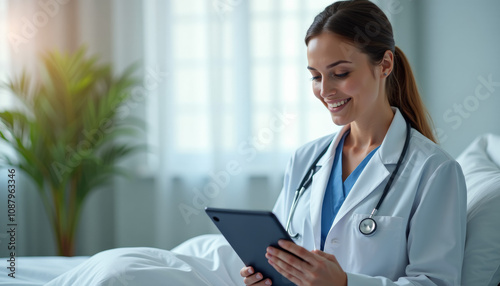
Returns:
(337, 104)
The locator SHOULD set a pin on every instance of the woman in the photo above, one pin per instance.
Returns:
(367, 85)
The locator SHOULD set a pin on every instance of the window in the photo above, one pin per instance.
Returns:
(238, 83)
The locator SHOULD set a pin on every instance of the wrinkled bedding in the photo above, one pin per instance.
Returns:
(36, 270)
(194, 262)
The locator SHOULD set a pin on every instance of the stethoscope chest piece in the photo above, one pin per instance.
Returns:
(367, 226)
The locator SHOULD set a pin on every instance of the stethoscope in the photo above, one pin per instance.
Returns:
(368, 225)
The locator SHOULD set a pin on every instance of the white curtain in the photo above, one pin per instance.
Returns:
(231, 102)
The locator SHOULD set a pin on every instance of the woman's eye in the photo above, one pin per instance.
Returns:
(341, 75)
(332, 75)
(316, 78)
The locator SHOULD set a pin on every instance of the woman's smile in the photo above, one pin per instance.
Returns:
(337, 105)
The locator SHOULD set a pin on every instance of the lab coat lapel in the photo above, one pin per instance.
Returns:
(371, 177)
(376, 171)
(318, 187)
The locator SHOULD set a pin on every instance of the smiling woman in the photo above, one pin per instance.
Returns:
(368, 87)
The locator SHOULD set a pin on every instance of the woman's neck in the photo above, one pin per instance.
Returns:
(369, 131)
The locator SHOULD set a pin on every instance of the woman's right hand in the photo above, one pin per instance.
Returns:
(252, 278)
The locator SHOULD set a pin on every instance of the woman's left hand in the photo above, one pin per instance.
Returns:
(317, 267)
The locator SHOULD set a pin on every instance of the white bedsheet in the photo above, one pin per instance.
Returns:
(37, 270)
(203, 260)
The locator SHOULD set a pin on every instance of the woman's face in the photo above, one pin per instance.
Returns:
(344, 79)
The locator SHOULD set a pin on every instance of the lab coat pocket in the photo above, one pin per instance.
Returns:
(381, 252)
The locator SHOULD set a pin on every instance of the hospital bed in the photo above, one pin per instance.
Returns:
(480, 162)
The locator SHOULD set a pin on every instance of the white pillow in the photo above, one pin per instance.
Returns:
(481, 166)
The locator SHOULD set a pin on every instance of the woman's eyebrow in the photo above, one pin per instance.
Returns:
(332, 64)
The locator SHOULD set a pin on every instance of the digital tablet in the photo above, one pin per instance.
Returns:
(249, 233)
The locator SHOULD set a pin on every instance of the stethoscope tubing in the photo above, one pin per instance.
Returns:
(304, 184)
(368, 225)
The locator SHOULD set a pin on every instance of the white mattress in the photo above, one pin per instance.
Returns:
(37, 270)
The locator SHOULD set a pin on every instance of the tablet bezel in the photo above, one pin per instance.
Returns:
(250, 232)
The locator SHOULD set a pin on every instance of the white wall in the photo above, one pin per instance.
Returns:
(454, 47)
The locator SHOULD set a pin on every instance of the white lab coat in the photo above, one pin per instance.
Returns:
(421, 223)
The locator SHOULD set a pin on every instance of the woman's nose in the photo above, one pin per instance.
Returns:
(327, 88)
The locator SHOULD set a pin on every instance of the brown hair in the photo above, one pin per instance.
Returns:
(364, 24)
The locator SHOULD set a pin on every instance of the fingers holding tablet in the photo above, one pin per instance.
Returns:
(251, 278)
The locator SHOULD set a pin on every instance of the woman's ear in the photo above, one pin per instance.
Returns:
(387, 63)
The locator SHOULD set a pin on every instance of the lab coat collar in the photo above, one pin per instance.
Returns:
(394, 140)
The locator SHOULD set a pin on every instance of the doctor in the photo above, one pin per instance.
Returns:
(366, 84)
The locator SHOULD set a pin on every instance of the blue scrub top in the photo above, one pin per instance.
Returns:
(336, 190)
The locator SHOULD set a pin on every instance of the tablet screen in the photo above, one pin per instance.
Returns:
(249, 233)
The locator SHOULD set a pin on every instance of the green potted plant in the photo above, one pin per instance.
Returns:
(66, 135)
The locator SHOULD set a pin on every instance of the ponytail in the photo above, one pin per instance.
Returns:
(352, 19)
(402, 93)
